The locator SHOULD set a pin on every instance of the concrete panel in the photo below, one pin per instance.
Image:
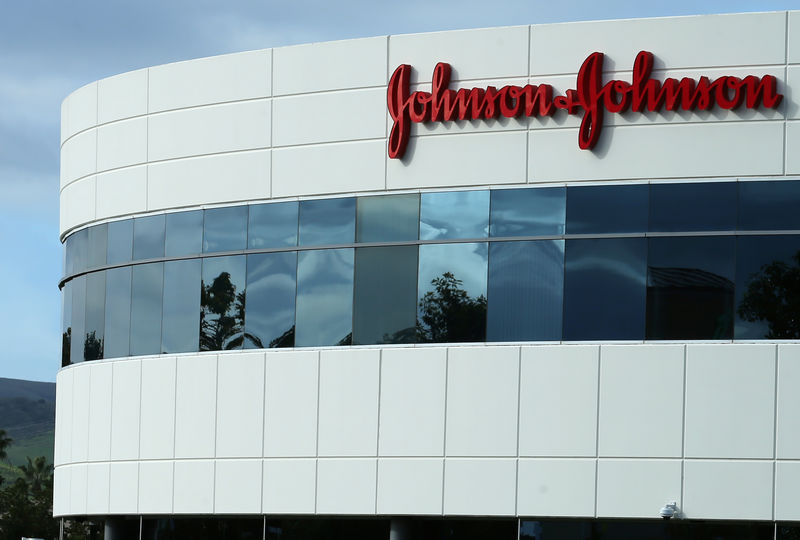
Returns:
(556, 487)
(289, 486)
(194, 487)
(637, 488)
(237, 488)
(229, 77)
(61, 490)
(728, 489)
(792, 141)
(122, 192)
(794, 38)
(787, 491)
(79, 111)
(157, 439)
(79, 157)
(195, 407)
(124, 490)
(122, 96)
(346, 486)
(485, 487)
(100, 412)
(558, 401)
(354, 63)
(155, 487)
(122, 144)
(730, 401)
(77, 204)
(240, 407)
(788, 421)
(80, 414)
(125, 409)
(348, 402)
(482, 390)
(291, 404)
(77, 489)
(413, 383)
(62, 452)
(410, 486)
(97, 488)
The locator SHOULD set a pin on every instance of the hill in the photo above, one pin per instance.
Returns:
(27, 414)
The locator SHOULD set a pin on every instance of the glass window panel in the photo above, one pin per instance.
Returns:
(184, 233)
(225, 229)
(202, 528)
(118, 312)
(98, 238)
(327, 222)
(451, 298)
(78, 245)
(604, 288)
(769, 205)
(95, 316)
(324, 297)
(709, 206)
(180, 330)
(78, 319)
(690, 287)
(148, 237)
(767, 287)
(147, 283)
(528, 212)
(607, 209)
(526, 287)
(272, 225)
(454, 214)
(66, 318)
(385, 295)
(120, 242)
(388, 218)
(572, 529)
(271, 288)
(336, 529)
(222, 301)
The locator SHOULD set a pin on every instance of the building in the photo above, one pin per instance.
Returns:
(545, 320)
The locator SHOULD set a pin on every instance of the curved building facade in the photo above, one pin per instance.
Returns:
(534, 282)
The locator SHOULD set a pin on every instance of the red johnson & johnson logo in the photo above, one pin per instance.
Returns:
(591, 96)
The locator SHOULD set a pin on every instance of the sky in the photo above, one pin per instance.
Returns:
(50, 48)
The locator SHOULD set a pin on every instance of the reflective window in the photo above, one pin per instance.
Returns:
(78, 252)
(66, 317)
(202, 528)
(387, 218)
(454, 214)
(120, 242)
(147, 282)
(630, 529)
(184, 233)
(118, 312)
(272, 225)
(222, 301)
(451, 305)
(526, 287)
(271, 287)
(324, 297)
(330, 221)
(604, 288)
(95, 316)
(181, 306)
(765, 206)
(607, 209)
(707, 206)
(225, 229)
(78, 319)
(148, 237)
(528, 212)
(767, 287)
(384, 297)
(97, 241)
(690, 287)
(333, 529)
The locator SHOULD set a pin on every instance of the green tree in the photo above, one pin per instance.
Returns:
(5, 442)
(773, 296)
(449, 314)
(26, 506)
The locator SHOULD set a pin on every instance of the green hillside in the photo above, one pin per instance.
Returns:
(27, 414)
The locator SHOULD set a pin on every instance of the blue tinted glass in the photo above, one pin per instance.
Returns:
(225, 229)
(78, 319)
(528, 212)
(95, 316)
(78, 246)
(769, 205)
(181, 306)
(222, 301)
(98, 238)
(327, 222)
(118, 312)
(604, 289)
(184, 234)
(120, 242)
(690, 287)
(454, 214)
(148, 237)
(385, 295)
(271, 288)
(147, 283)
(526, 288)
(324, 297)
(388, 218)
(66, 322)
(451, 297)
(272, 225)
(693, 207)
(767, 287)
(607, 209)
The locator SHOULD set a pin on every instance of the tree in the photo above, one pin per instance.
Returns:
(773, 295)
(5, 442)
(222, 316)
(449, 314)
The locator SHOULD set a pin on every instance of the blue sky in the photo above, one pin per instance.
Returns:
(50, 48)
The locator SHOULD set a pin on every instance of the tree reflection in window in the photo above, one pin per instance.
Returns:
(773, 296)
(222, 316)
(449, 314)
